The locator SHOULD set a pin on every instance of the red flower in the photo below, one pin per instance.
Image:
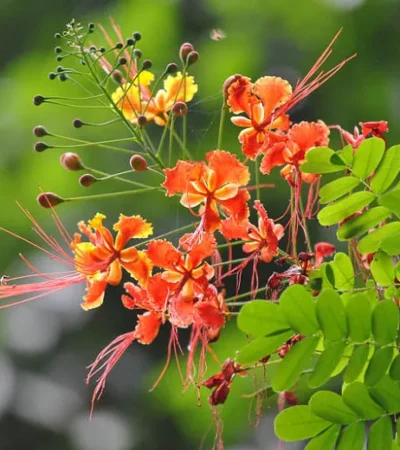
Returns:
(217, 184)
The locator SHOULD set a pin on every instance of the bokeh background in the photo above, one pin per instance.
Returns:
(46, 345)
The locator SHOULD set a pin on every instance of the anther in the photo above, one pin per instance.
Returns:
(52, 76)
(130, 42)
(137, 53)
(119, 45)
(58, 50)
(122, 61)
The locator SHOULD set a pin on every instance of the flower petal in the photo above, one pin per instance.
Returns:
(131, 227)
(192, 200)
(177, 180)
(310, 134)
(226, 192)
(227, 168)
(164, 255)
(241, 121)
(239, 95)
(140, 268)
(147, 327)
(273, 92)
(96, 287)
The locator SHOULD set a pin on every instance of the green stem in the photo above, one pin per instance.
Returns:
(233, 261)
(305, 226)
(168, 233)
(221, 125)
(111, 194)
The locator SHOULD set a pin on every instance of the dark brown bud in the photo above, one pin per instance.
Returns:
(77, 123)
(138, 163)
(119, 45)
(87, 180)
(179, 109)
(142, 121)
(130, 42)
(38, 100)
(117, 77)
(137, 36)
(137, 53)
(192, 58)
(184, 51)
(122, 61)
(41, 146)
(40, 131)
(49, 199)
(172, 68)
(146, 65)
(71, 161)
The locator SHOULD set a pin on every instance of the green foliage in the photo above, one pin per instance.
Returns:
(367, 157)
(318, 160)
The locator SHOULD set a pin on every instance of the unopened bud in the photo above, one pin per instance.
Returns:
(117, 76)
(91, 26)
(41, 146)
(59, 58)
(77, 123)
(228, 83)
(137, 36)
(138, 163)
(172, 68)
(58, 50)
(40, 131)
(146, 64)
(137, 53)
(130, 42)
(49, 199)
(60, 69)
(102, 49)
(38, 100)
(179, 109)
(57, 36)
(184, 51)
(142, 121)
(71, 161)
(87, 180)
(192, 58)
(122, 61)
(119, 45)
(52, 76)
(63, 77)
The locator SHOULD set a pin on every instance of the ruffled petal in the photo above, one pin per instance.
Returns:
(179, 88)
(96, 287)
(140, 268)
(252, 142)
(273, 92)
(251, 247)
(163, 254)
(231, 229)
(239, 94)
(310, 134)
(131, 227)
(192, 200)
(147, 327)
(227, 168)
(237, 206)
(273, 158)
(177, 180)
(181, 312)
(202, 250)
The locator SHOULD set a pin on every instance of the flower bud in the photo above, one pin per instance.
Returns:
(40, 131)
(146, 65)
(172, 68)
(52, 76)
(38, 100)
(71, 161)
(122, 61)
(138, 163)
(63, 77)
(58, 50)
(137, 36)
(137, 53)
(119, 45)
(142, 121)
(184, 51)
(87, 180)
(49, 199)
(130, 42)
(117, 77)
(57, 36)
(91, 26)
(77, 123)
(41, 146)
(192, 58)
(179, 109)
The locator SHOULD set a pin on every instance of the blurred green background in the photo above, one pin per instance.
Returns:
(45, 345)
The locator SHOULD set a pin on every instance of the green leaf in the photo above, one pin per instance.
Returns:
(298, 308)
(394, 371)
(397, 270)
(378, 365)
(380, 435)
(298, 423)
(385, 320)
(372, 242)
(382, 269)
(352, 438)
(295, 361)
(391, 245)
(357, 363)
(261, 318)
(326, 364)
(318, 160)
(337, 188)
(359, 315)
(344, 362)
(344, 208)
(367, 157)
(362, 223)
(326, 440)
(356, 397)
(343, 157)
(387, 171)
(330, 406)
(387, 394)
(391, 200)
(343, 272)
(262, 346)
(331, 315)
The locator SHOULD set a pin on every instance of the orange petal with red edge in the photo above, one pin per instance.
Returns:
(239, 95)
(237, 206)
(310, 134)
(140, 268)
(181, 312)
(147, 327)
(273, 158)
(252, 142)
(204, 249)
(209, 315)
(234, 230)
(191, 200)
(96, 287)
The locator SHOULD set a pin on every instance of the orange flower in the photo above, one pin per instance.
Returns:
(263, 241)
(258, 101)
(219, 183)
(135, 98)
(300, 138)
(101, 259)
(187, 276)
